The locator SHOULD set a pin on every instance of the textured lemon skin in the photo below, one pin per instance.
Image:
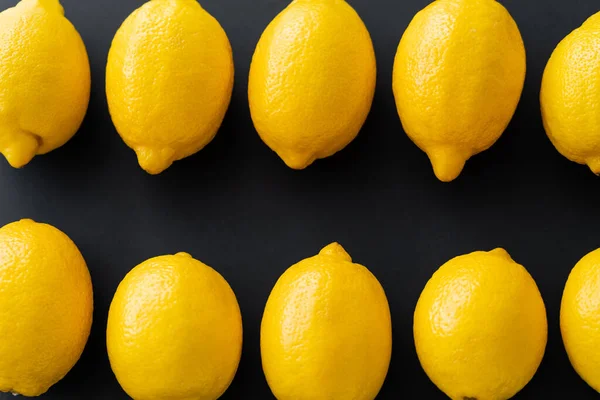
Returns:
(570, 95)
(326, 331)
(480, 327)
(46, 306)
(44, 80)
(169, 80)
(174, 331)
(312, 80)
(458, 77)
(580, 318)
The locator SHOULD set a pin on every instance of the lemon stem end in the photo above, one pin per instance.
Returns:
(335, 250)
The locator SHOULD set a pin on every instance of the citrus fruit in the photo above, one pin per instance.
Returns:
(46, 306)
(44, 80)
(570, 95)
(312, 80)
(174, 331)
(580, 318)
(480, 327)
(458, 76)
(326, 331)
(169, 79)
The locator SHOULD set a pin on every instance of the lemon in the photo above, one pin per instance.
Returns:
(580, 318)
(458, 76)
(46, 306)
(169, 80)
(570, 95)
(174, 331)
(326, 331)
(312, 80)
(480, 327)
(44, 80)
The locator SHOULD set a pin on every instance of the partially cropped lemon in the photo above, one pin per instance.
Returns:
(480, 327)
(570, 95)
(46, 306)
(326, 331)
(458, 76)
(44, 80)
(312, 80)
(168, 81)
(580, 318)
(174, 331)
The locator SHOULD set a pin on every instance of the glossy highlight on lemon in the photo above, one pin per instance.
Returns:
(312, 80)
(580, 318)
(458, 77)
(174, 331)
(44, 80)
(570, 95)
(46, 306)
(169, 80)
(480, 327)
(326, 330)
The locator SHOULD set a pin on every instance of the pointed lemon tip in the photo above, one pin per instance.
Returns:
(22, 148)
(447, 163)
(297, 161)
(183, 254)
(154, 161)
(594, 164)
(335, 250)
(53, 5)
(501, 253)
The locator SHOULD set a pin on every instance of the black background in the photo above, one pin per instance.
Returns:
(238, 208)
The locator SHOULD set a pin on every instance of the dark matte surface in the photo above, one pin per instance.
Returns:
(238, 208)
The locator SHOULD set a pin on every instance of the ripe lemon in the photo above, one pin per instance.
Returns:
(480, 327)
(570, 95)
(44, 80)
(174, 331)
(46, 306)
(580, 318)
(312, 80)
(458, 76)
(326, 331)
(168, 81)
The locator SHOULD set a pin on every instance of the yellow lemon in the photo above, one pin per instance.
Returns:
(580, 318)
(326, 331)
(570, 95)
(458, 76)
(168, 81)
(44, 80)
(480, 327)
(46, 306)
(174, 331)
(312, 80)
